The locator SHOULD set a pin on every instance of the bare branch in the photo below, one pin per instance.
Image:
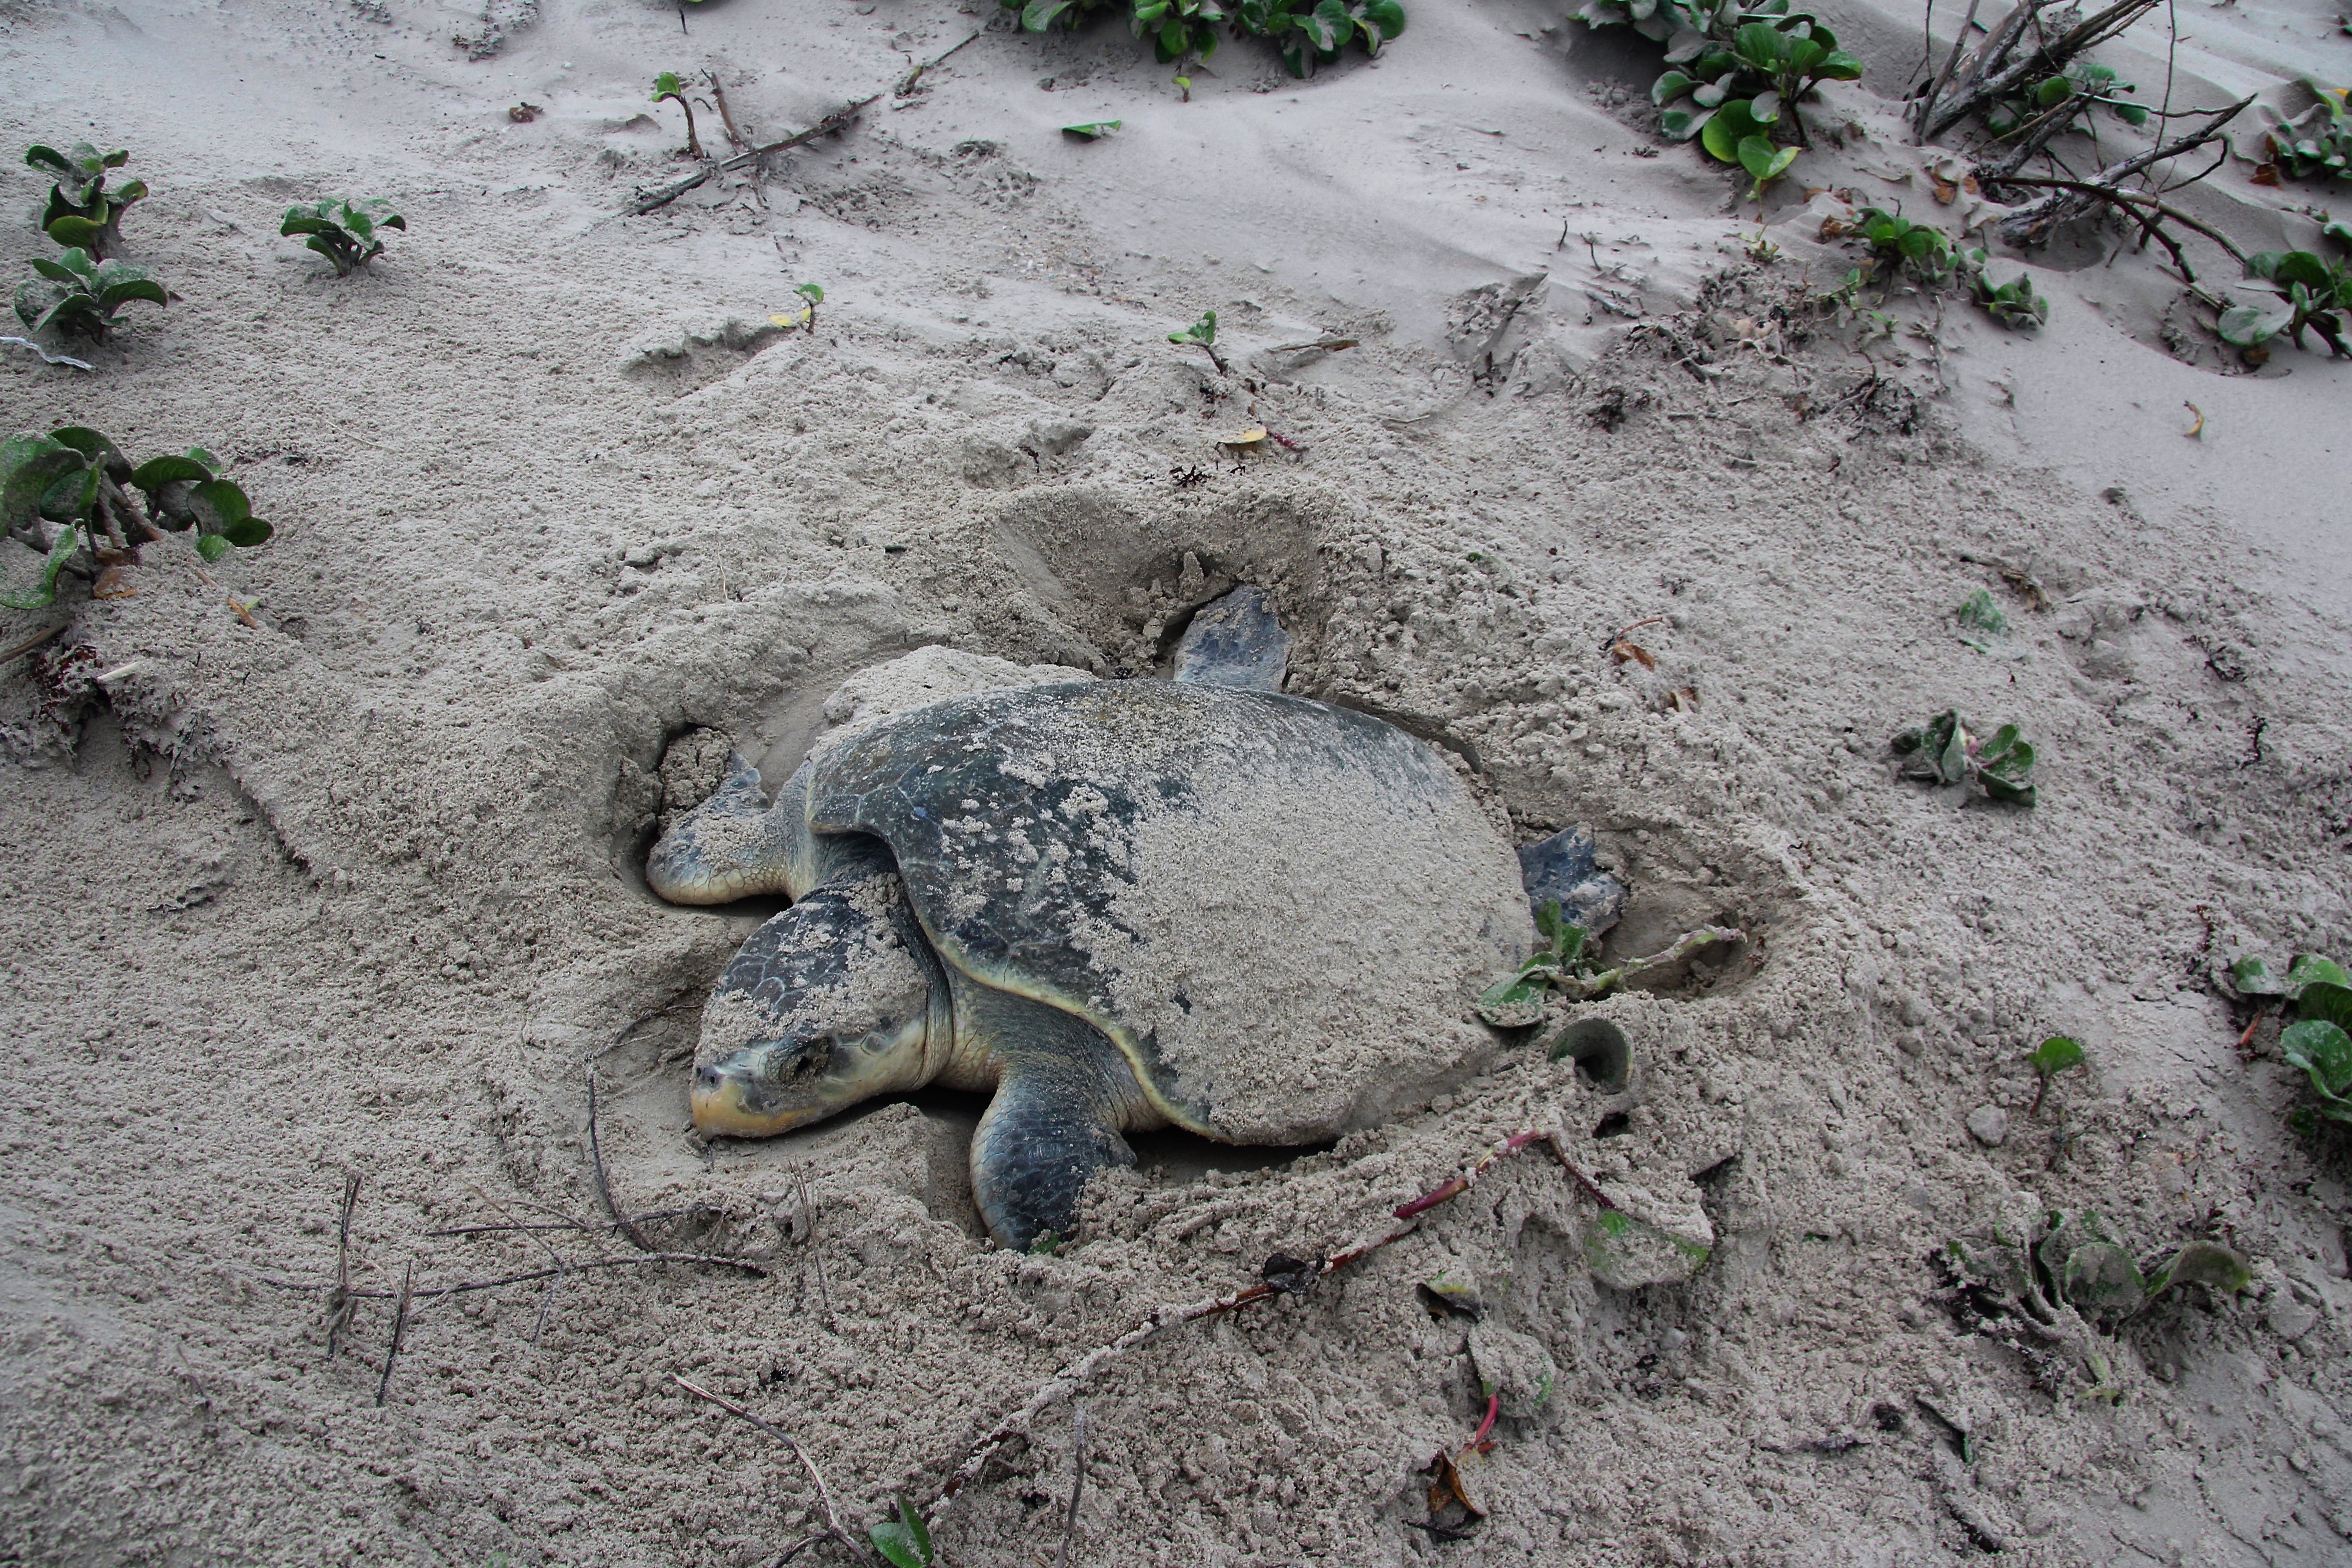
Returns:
(825, 1493)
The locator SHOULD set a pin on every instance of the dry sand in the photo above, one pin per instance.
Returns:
(361, 890)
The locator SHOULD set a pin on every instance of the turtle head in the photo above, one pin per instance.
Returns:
(828, 1004)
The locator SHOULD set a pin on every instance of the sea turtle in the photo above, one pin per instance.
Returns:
(1112, 905)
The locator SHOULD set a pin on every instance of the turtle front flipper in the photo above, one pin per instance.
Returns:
(1063, 1097)
(736, 845)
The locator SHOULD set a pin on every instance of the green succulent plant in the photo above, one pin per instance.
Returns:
(1308, 33)
(2319, 1044)
(1942, 751)
(2014, 305)
(2076, 1258)
(2317, 141)
(349, 233)
(81, 212)
(68, 497)
(1897, 242)
(2310, 294)
(77, 294)
(1766, 56)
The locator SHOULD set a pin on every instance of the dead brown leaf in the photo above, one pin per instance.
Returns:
(113, 583)
(1682, 699)
(1622, 652)
(1448, 1484)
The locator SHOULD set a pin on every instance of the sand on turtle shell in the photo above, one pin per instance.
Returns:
(355, 890)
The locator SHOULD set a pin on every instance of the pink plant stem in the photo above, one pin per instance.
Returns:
(1494, 1408)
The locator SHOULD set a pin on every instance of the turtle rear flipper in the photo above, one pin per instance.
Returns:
(1235, 640)
(1564, 869)
(737, 845)
(1062, 1098)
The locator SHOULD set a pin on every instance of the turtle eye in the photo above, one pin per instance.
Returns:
(796, 1061)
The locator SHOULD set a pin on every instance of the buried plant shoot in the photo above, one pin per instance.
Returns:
(82, 213)
(1202, 335)
(667, 88)
(67, 496)
(1942, 751)
(2053, 1056)
(1568, 961)
(78, 295)
(348, 234)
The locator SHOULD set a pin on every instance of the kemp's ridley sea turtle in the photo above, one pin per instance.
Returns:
(1112, 905)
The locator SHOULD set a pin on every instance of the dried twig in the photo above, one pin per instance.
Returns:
(339, 1300)
(1067, 1384)
(1077, 1482)
(2070, 199)
(2123, 198)
(621, 1222)
(825, 1493)
(462, 1287)
(808, 1217)
(25, 645)
(726, 115)
(2000, 67)
(665, 195)
(399, 1333)
(1959, 48)
(906, 87)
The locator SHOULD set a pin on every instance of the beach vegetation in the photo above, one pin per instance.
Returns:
(348, 234)
(81, 212)
(80, 295)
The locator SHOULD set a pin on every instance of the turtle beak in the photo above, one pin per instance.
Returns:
(729, 1102)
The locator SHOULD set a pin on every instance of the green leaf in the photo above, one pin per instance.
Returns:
(1839, 67)
(114, 296)
(156, 472)
(39, 157)
(71, 497)
(1387, 15)
(1732, 123)
(2247, 325)
(1203, 331)
(1513, 1003)
(74, 230)
(246, 532)
(219, 505)
(1325, 26)
(666, 85)
(1681, 124)
(812, 292)
(1978, 609)
(67, 541)
(2056, 1055)
(2207, 1263)
(2253, 977)
(2324, 1051)
(1093, 129)
(2310, 968)
(1669, 87)
(1764, 161)
(2326, 1003)
(212, 547)
(56, 272)
(2101, 1277)
(1759, 45)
